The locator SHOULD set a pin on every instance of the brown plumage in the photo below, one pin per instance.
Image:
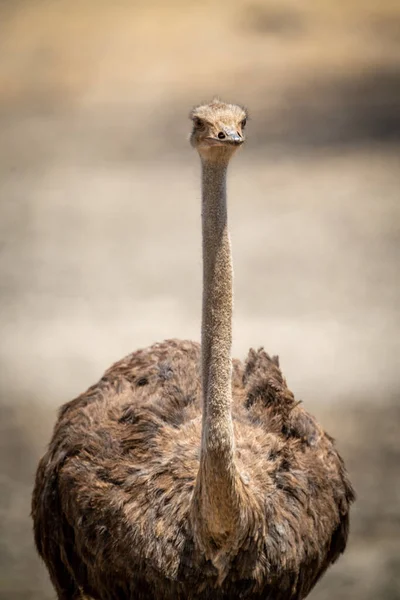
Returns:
(141, 496)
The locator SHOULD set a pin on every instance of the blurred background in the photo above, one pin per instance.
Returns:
(100, 226)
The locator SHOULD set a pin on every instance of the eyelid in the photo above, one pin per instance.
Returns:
(200, 121)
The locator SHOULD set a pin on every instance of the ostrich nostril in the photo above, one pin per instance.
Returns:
(239, 134)
(221, 135)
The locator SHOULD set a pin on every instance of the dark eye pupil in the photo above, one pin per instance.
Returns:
(244, 122)
(221, 135)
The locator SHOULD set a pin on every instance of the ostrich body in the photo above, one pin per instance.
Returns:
(185, 475)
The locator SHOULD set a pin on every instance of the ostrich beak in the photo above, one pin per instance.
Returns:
(232, 137)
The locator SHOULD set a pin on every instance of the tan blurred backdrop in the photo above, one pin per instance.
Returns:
(100, 226)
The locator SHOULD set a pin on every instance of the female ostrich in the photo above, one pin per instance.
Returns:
(183, 474)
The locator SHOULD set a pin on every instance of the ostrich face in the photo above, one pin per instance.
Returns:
(218, 129)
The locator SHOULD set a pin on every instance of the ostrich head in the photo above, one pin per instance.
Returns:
(218, 129)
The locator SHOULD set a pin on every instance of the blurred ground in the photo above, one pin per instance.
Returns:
(100, 226)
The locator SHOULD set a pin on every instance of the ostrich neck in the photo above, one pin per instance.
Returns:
(217, 313)
(217, 481)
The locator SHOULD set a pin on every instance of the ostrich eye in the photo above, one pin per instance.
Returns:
(198, 123)
(243, 123)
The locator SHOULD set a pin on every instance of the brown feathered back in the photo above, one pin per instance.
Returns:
(113, 493)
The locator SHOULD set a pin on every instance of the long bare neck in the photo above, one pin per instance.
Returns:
(216, 497)
(217, 436)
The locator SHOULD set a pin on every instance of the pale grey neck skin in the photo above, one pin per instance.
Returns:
(218, 484)
(216, 333)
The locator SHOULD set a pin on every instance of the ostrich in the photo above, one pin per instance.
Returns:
(184, 474)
